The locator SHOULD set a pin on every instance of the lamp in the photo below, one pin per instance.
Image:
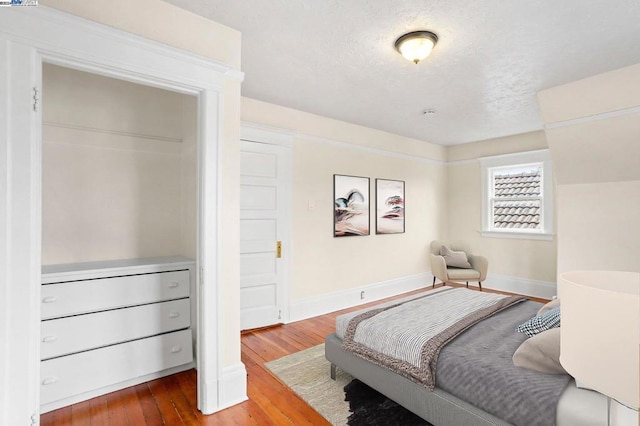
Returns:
(600, 336)
(417, 45)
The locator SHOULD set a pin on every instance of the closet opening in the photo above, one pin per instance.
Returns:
(120, 203)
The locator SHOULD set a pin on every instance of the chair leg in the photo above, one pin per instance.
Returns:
(434, 282)
(467, 284)
(480, 284)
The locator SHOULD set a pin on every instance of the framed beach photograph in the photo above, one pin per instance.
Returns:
(389, 206)
(351, 206)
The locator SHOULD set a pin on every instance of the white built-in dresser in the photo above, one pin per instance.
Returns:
(113, 324)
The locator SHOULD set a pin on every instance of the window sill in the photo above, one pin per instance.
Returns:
(518, 235)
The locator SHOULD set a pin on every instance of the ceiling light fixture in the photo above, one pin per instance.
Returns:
(417, 45)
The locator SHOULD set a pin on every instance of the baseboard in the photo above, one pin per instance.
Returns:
(528, 287)
(233, 386)
(335, 301)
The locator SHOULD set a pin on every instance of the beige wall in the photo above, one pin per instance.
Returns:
(604, 150)
(321, 263)
(521, 258)
(162, 22)
(314, 125)
(524, 142)
(114, 181)
(151, 19)
(592, 128)
(599, 226)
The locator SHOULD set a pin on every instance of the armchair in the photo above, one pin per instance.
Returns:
(440, 270)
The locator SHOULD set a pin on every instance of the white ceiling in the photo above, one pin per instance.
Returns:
(336, 58)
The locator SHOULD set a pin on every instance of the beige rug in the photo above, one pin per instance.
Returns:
(307, 374)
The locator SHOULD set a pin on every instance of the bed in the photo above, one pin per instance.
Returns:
(473, 375)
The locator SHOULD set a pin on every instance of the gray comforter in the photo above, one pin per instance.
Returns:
(477, 367)
(407, 337)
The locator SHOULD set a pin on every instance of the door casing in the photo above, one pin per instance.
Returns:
(29, 37)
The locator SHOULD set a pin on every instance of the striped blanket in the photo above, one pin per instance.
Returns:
(407, 337)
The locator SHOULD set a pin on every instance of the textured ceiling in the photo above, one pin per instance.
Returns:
(336, 58)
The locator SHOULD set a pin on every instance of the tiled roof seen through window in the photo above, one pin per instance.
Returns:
(514, 213)
(526, 184)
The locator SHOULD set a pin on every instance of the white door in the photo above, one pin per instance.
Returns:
(265, 184)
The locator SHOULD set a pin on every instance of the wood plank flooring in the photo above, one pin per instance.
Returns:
(172, 400)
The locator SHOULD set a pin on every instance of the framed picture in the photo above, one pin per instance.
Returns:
(351, 206)
(389, 206)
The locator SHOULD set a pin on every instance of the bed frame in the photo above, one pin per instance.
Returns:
(437, 407)
(576, 407)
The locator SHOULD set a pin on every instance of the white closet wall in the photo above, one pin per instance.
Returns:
(189, 214)
(119, 169)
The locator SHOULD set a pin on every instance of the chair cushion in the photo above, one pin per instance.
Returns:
(456, 259)
(463, 274)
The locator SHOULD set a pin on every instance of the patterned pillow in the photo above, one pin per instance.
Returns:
(545, 321)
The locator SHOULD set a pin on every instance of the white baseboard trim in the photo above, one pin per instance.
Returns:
(528, 287)
(331, 302)
(233, 386)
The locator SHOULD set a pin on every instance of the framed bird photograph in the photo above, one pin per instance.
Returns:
(389, 206)
(351, 206)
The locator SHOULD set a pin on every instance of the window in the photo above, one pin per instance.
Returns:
(517, 196)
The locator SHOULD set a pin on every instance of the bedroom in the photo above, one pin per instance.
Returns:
(315, 248)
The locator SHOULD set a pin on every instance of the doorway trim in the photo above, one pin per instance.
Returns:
(29, 37)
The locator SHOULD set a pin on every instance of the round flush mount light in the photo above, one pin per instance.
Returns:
(417, 45)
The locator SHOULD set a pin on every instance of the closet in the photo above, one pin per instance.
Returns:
(119, 234)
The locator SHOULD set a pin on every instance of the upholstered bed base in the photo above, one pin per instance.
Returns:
(437, 407)
(577, 407)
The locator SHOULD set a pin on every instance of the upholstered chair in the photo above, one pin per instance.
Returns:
(456, 270)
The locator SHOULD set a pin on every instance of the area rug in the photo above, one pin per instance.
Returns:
(370, 408)
(307, 374)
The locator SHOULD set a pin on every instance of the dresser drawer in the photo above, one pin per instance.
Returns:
(83, 332)
(80, 297)
(75, 374)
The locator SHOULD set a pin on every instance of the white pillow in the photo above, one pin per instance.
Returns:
(457, 259)
(541, 353)
(550, 305)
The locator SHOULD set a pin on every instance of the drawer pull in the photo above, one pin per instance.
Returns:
(174, 315)
(49, 381)
(174, 285)
(176, 349)
(49, 299)
(48, 339)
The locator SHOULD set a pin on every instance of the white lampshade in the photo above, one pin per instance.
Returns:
(600, 332)
(417, 45)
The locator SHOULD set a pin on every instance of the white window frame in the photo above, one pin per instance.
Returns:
(490, 165)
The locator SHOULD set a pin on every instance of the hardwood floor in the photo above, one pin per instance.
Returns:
(172, 400)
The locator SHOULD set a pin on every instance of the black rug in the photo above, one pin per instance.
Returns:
(370, 408)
